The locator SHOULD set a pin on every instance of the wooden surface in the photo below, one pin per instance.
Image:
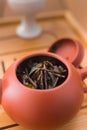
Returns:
(55, 25)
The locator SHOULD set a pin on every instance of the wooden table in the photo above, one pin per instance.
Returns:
(55, 25)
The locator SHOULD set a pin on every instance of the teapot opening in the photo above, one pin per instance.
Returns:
(41, 72)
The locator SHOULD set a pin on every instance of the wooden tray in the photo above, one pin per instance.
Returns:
(55, 25)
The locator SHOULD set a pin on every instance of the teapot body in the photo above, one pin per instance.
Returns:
(42, 109)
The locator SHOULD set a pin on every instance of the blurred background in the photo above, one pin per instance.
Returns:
(77, 7)
(13, 47)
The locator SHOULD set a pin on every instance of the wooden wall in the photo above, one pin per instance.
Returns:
(79, 9)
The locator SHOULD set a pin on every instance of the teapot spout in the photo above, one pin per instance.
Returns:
(0, 90)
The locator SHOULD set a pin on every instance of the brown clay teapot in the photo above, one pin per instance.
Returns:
(42, 109)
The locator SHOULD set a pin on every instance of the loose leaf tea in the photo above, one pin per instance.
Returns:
(42, 75)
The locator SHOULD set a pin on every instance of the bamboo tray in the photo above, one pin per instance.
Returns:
(55, 25)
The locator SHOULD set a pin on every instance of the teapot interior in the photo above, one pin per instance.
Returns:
(28, 63)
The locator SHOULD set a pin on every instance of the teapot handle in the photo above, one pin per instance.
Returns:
(83, 74)
(0, 89)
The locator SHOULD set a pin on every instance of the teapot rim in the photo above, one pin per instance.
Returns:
(49, 54)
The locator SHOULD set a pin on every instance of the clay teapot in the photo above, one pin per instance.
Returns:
(47, 109)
